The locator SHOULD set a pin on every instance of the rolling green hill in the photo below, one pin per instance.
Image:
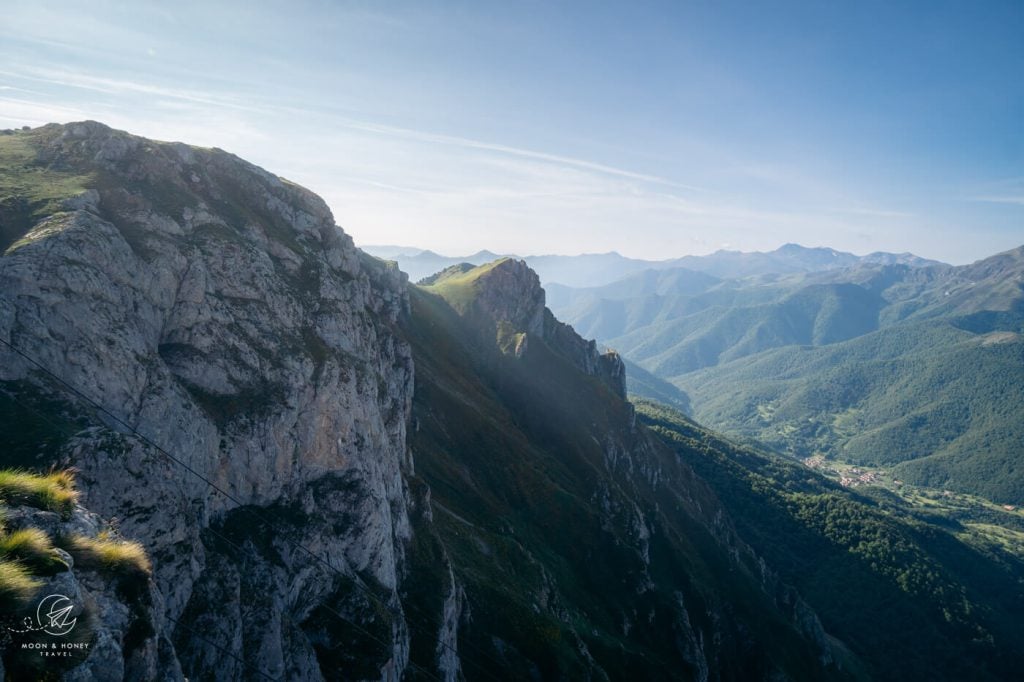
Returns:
(914, 367)
(945, 405)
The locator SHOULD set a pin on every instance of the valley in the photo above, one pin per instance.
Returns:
(918, 367)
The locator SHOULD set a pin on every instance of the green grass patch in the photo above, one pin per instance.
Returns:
(457, 285)
(106, 554)
(53, 492)
(17, 586)
(33, 548)
(30, 189)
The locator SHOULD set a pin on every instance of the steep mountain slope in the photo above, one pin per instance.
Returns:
(583, 547)
(218, 311)
(898, 586)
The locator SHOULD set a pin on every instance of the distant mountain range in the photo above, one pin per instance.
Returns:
(595, 269)
(919, 366)
(884, 359)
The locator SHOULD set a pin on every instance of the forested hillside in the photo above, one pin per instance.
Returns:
(919, 368)
(915, 596)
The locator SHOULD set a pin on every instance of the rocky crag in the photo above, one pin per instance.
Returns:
(219, 311)
(246, 411)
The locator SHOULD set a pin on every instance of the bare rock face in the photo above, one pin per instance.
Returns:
(607, 366)
(219, 311)
(509, 293)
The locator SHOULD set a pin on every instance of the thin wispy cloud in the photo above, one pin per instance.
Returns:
(115, 86)
(1003, 199)
(1008, 191)
(873, 212)
(29, 112)
(484, 146)
(439, 128)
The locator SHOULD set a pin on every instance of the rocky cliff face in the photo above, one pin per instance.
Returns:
(246, 384)
(506, 297)
(220, 312)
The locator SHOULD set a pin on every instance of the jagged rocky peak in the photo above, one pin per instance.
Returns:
(607, 366)
(509, 291)
(507, 298)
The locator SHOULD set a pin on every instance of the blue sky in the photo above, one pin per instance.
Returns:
(653, 129)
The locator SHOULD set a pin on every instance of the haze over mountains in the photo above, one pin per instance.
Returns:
(604, 268)
(914, 365)
(884, 359)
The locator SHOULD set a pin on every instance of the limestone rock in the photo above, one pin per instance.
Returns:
(219, 311)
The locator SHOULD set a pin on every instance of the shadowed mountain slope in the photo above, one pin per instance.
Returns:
(897, 585)
(584, 546)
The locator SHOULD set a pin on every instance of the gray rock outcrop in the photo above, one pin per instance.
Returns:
(219, 311)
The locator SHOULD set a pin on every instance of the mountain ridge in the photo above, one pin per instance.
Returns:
(596, 269)
(797, 361)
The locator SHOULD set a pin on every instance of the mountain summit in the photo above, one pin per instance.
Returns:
(506, 298)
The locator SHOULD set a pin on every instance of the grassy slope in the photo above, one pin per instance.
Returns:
(513, 453)
(457, 285)
(30, 189)
(910, 599)
(946, 402)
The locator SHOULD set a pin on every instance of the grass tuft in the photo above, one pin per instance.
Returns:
(17, 586)
(33, 549)
(54, 491)
(106, 554)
